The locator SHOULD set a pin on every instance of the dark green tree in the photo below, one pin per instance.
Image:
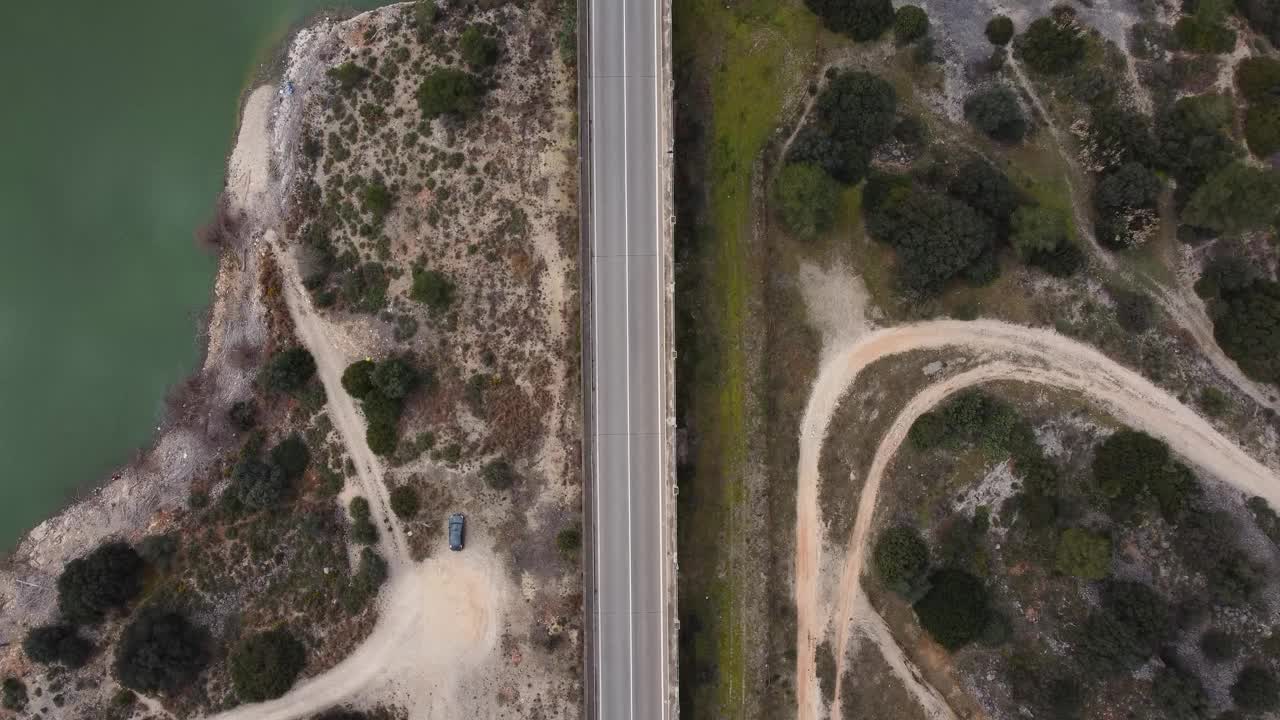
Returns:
(996, 112)
(289, 370)
(62, 643)
(1051, 45)
(107, 578)
(862, 20)
(1256, 689)
(1218, 645)
(1247, 326)
(910, 23)
(1179, 695)
(936, 237)
(852, 116)
(999, 30)
(1258, 79)
(954, 610)
(160, 652)
(292, 457)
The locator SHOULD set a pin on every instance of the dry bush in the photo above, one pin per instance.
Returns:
(225, 230)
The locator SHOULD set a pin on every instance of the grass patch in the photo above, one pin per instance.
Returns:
(750, 56)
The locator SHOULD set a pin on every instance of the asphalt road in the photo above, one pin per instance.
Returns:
(631, 569)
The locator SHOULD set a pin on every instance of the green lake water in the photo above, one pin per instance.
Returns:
(115, 124)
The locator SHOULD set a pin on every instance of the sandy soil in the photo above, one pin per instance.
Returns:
(439, 620)
(1016, 353)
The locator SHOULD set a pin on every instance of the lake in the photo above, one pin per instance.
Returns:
(116, 124)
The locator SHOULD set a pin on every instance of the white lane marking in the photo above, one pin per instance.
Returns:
(595, 364)
(626, 319)
(658, 267)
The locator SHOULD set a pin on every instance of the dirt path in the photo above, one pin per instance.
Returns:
(330, 363)
(1018, 353)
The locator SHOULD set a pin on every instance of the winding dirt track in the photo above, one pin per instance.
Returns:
(1015, 353)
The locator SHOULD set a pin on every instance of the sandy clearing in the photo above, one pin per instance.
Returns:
(1026, 354)
(439, 619)
(249, 169)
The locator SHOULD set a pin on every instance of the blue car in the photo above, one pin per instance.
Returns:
(457, 531)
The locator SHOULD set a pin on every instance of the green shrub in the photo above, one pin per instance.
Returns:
(425, 14)
(1179, 695)
(348, 75)
(363, 530)
(995, 112)
(159, 551)
(1063, 261)
(62, 643)
(1051, 46)
(449, 91)
(365, 583)
(1256, 689)
(1200, 36)
(1083, 554)
(289, 370)
(569, 540)
(376, 199)
(807, 198)
(1135, 311)
(1247, 327)
(1213, 402)
(258, 485)
(160, 652)
(1218, 645)
(404, 501)
(910, 23)
(1037, 229)
(862, 20)
(357, 379)
(1235, 199)
(498, 474)
(243, 415)
(479, 50)
(999, 30)
(433, 289)
(954, 610)
(265, 665)
(14, 694)
(824, 666)
(1262, 128)
(1258, 79)
(107, 578)
(902, 560)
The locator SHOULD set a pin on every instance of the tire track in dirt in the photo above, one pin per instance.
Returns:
(1017, 353)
